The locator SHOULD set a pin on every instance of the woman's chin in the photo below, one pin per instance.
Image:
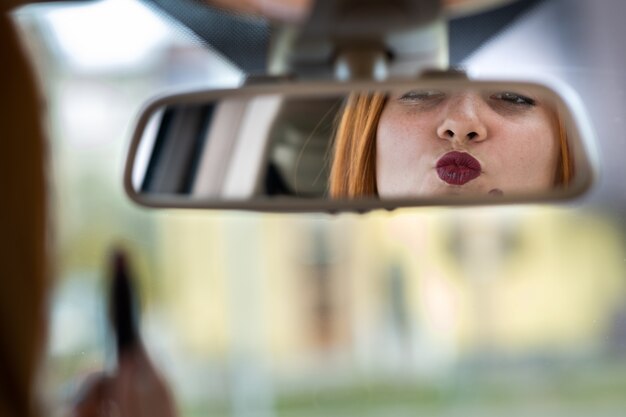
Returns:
(434, 186)
(465, 190)
(435, 189)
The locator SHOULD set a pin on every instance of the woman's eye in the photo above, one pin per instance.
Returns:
(514, 98)
(420, 95)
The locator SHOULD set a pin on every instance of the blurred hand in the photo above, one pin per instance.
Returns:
(134, 390)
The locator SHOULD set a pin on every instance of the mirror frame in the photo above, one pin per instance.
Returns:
(582, 143)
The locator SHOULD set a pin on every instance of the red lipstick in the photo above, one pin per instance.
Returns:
(458, 168)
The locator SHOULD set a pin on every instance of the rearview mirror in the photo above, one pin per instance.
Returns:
(329, 146)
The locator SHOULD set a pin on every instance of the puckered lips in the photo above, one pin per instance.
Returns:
(458, 168)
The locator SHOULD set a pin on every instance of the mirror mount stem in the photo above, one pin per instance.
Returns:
(348, 40)
(362, 63)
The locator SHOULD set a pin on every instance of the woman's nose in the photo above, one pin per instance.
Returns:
(462, 121)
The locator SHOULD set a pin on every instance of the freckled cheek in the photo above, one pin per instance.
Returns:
(529, 153)
(403, 139)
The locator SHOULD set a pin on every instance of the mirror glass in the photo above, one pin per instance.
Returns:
(395, 145)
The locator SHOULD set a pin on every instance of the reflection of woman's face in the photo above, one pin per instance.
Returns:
(465, 142)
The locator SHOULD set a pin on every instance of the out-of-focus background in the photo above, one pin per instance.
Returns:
(483, 311)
